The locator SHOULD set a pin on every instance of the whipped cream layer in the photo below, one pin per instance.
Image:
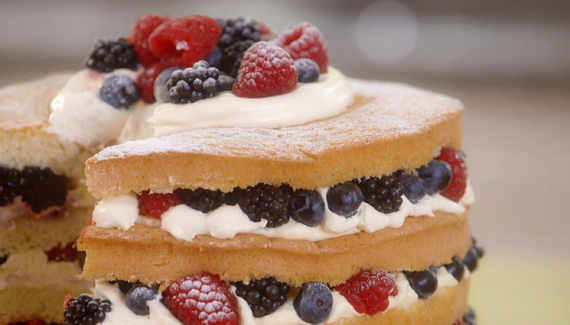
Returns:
(309, 102)
(227, 221)
(78, 115)
(285, 315)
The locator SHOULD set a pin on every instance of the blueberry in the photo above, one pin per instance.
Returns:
(314, 302)
(471, 259)
(307, 207)
(470, 317)
(119, 91)
(3, 259)
(160, 91)
(414, 187)
(307, 70)
(480, 251)
(424, 283)
(136, 299)
(344, 199)
(437, 176)
(456, 268)
(216, 57)
(225, 82)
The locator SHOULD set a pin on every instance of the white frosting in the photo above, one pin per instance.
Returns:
(185, 223)
(78, 115)
(285, 315)
(309, 102)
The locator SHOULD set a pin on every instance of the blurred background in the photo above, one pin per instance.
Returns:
(508, 61)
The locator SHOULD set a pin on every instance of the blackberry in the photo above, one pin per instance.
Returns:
(263, 296)
(160, 91)
(193, 84)
(10, 181)
(225, 83)
(110, 55)
(3, 259)
(119, 91)
(266, 202)
(42, 188)
(86, 310)
(236, 30)
(232, 198)
(383, 194)
(232, 57)
(202, 200)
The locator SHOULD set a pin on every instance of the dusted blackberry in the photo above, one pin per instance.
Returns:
(86, 311)
(266, 202)
(263, 296)
(236, 30)
(233, 54)
(119, 91)
(41, 188)
(110, 55)
(384, 194)
(10, 181)
(193, 84)
(202, 200)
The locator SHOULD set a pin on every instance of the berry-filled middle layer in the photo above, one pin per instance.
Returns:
(362, 205)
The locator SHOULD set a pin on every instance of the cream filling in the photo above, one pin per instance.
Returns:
(226, 221)
(309, 102)
(285, 315)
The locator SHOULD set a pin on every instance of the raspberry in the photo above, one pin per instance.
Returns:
(154, 205)
(146, 79)
(66, 253)
(264, 296)
(139, 37)
(201, 299)
(42, 188)
(202, 200)
(237, 30)
(456, 160)
(368, 291)
(185, 41)
(268, 202)
(383, 194)
(193, 84)
(305, 41)
(266, 70)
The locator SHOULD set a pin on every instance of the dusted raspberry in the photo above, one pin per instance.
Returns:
(201, 299)
(154, 205)
(266, 70)
(146, 79)
(67, 253)
(139, 37)
(368, 291)
(185, 41)
(455, 159)
(306, 41)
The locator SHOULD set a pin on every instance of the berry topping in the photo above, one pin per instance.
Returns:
(436, 175)
(185, 41)
(237, 30)
(67, 253)
(225, 83)
(140, 34)
(368, 291)
(266, 70)
(202, 200)
(86, 311)
(424, 283)
(314, 302)
(414, 187)
(306, 41)
(307, 70)
(263, 296)
(10, 182)
(136, 299)
(111, 55)
(456, 268)
(456, 161)
(160, 90)
(193, 84)
(266, 202)
(383, 194)
(201, 299)
(41, 188)
(146, 81)
(471, 259)
(307, 207)
(344, 199)
(119, 91)
(154, 205)
(233, 56)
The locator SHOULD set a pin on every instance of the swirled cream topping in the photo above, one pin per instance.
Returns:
(309, 102)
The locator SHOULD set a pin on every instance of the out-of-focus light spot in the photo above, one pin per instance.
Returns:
(386, 32)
